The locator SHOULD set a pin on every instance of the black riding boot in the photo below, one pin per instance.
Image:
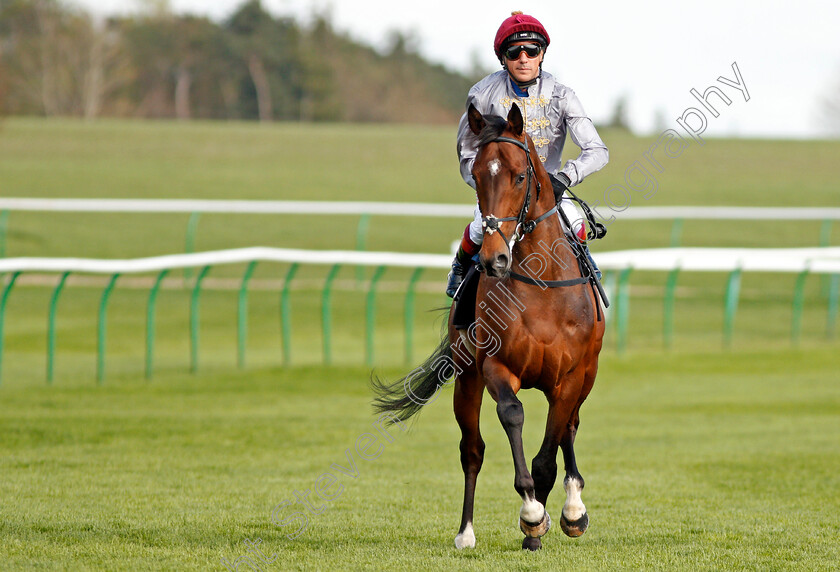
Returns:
(460, 265)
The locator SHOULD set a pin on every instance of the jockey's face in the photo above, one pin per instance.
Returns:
(524, 69)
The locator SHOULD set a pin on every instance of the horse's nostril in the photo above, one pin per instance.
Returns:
(496, 265)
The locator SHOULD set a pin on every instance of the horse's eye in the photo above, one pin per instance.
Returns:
(520, 179)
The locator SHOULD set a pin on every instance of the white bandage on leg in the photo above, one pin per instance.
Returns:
(476, 228)
(575, 216)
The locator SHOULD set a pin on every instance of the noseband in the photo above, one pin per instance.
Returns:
(523, 226)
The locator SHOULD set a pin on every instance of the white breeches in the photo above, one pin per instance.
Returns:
(570, 207)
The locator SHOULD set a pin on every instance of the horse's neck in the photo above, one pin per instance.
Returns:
(545, 251)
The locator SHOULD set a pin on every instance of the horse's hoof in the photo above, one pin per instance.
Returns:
(575, 528)
(535, 530)
(532, 544)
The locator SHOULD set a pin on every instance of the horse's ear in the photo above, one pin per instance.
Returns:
(515, 120)
(476, 120)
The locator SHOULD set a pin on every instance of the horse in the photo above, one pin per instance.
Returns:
(529, 332)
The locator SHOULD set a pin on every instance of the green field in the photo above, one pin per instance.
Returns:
(694, 458)
(701, 462)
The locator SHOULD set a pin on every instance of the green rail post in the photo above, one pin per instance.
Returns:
(286, 314)
(101, 329)
(4, 221)
(825, 240)
(361, 243)
(610, 278)
(51, 326)
(833, 295)
(150, 322)
(825, 232)
(623, 310)
(189, 241)
(370, 314)
(195, 300)
(676, 232)
(798, 306)
(242, 315)
(668, 310)
(326, 316)
(409, 314)
(733, 288)
(3, 299)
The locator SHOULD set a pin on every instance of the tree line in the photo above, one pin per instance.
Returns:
(58, 60)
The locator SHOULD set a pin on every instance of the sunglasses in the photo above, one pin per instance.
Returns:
(531, 50)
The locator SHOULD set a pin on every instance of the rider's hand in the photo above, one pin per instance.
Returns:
(559, 183)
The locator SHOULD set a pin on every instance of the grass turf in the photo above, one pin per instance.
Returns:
(697, 461)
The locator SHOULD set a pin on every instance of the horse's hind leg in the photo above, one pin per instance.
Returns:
(469, 390)
(544, 471)
(574, 520)
(544, 465)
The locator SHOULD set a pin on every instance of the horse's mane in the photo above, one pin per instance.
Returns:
(494, 126)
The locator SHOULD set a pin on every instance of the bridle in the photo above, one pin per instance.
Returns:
(523, 225)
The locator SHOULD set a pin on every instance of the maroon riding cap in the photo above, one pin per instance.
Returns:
(517, 28)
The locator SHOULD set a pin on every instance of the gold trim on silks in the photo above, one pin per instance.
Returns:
(533, 126)
(533, 101)
(540, 123)
(506, 102)
(542, 101)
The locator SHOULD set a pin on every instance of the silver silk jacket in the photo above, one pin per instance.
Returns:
(550, 111)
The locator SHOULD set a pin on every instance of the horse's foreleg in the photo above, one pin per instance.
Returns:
(468, 393)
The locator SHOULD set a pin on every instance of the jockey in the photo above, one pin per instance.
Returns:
(550, 110)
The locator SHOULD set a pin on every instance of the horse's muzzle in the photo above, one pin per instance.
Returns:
(498, 266)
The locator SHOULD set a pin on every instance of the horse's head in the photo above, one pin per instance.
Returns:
(506, 181)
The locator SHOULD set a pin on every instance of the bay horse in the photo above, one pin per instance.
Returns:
(538, 324)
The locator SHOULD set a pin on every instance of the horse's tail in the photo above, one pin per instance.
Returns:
(406, 396)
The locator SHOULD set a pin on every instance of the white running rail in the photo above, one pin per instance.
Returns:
(821, 260)
(393, 209)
